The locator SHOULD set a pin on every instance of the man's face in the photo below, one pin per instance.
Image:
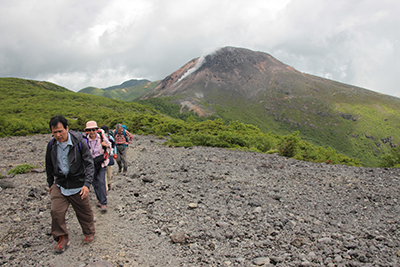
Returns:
(60, 133)
(119, 130)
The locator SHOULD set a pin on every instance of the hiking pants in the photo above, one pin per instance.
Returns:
(121, 157)
(99, 185)
(59, 207)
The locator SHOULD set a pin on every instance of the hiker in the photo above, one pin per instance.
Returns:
(122, 138)
(100, 148)
(113, 155)
(69, 170)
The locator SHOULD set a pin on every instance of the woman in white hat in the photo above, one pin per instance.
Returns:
(100, 148)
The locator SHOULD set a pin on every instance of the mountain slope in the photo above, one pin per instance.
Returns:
(95, 91)
(253, 87)
(130, 83)
(127, 91)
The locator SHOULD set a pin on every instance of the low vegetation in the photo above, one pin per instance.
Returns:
(26, 107)
(240, 136)
(20, 169)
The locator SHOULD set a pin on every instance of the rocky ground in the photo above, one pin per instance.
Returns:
(207, 207)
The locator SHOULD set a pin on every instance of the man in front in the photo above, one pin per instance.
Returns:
(70, 170)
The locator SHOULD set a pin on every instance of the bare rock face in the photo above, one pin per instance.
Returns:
(208, 207)
(232, 71)
(175, 77)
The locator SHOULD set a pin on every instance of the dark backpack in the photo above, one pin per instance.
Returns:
(78, 146)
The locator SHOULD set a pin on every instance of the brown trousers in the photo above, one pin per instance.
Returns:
(59, 207)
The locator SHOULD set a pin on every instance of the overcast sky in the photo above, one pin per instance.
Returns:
(76, 43)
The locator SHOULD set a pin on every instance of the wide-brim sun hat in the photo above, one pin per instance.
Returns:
(91, 125)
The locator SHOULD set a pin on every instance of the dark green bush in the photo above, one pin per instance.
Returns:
(290, 145)
(392, 159)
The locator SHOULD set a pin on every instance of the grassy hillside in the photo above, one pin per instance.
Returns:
(95, 91)
(26, 107)
(120, 92)
(353, 123)
(357, 130)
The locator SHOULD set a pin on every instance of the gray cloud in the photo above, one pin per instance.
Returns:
(101, 43)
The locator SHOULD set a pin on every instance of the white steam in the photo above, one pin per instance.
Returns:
(196, 67)
(199, 63)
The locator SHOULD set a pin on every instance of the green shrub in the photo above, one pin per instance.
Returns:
(391, 160)
(290, 145)
(24, 168)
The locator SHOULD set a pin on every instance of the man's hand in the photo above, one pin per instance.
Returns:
(84, 192)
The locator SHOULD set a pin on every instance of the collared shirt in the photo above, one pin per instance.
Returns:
(62, 160)
(96, 149)
(94, 146)
(62, 155)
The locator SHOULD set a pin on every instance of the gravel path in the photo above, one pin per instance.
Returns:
(207, 207)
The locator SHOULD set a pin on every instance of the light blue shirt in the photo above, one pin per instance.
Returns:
(62, 160)
(62, 155)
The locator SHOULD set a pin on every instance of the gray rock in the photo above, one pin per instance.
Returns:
(6, 183)
(100, 264)
(261, 261)
(178, 237)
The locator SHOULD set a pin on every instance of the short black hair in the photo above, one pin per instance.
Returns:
(105, 128)
(57, 119)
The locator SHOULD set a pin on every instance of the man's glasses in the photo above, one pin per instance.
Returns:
(91, 130)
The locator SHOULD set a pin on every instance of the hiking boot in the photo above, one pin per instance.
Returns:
(109, 187)
(103, 208)
(119, 170)
(88, 239)
(98, 204)
(63, 243)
